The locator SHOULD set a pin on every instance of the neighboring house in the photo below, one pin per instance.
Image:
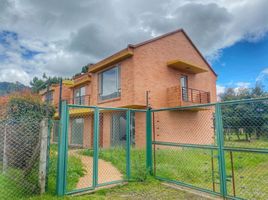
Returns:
(173, 72)
(52, 95)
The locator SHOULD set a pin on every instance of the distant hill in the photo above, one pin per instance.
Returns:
(7, 87)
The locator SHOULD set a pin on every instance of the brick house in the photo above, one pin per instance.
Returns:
(174, 73)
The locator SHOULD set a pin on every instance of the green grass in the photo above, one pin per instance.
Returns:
(75, 170)
(150, 189)
(117, 156)
(10, 185)
(254, 143)
(194, 166)
(14, 184)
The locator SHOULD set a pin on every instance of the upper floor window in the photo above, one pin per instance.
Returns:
(49, 97)
(109, 83)
(79, 95)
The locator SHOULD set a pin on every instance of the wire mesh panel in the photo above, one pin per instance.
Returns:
(245, 129)
(112, 157)
(138, 170)
(19, 158)
(55, 129)
(80, 148)
(185, 148)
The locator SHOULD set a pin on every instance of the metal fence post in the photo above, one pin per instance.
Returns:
(96, 147)
(62, 151)
(149, 165)
(128, 144)
(220, 143)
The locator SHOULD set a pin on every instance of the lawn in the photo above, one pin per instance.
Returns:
(188, 165)
(14, 184)
(75, 170)
(150, 190)
(194, 166)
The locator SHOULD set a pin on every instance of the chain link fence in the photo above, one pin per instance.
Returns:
(20, 146)
(245, 129)
(105, 146)
(185, 147)
(218, 148)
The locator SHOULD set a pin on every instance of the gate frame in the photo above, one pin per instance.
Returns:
(219, 146)
(63, 148)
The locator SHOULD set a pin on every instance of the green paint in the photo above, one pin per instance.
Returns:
(149, 161)
(220, 141)
(61, 176)
(96, 147)
(128, 145)
(187, 185)
(197, 146)
(66, 143)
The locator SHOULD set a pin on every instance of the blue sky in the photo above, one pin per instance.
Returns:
(59, 37)
(243, 63)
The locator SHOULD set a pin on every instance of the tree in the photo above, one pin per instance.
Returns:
(39, 84)
(84, 70)
(247, 118)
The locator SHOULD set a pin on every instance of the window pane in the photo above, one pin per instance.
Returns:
(109, 81)
(82, 91)
(76, 93)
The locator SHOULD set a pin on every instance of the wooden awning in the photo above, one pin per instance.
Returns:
(185, 66)
(122, 55)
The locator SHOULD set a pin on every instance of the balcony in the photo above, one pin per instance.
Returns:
(181, 96)
(81, 100)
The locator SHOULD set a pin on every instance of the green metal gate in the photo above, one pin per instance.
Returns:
(219, 148)
(96, 153)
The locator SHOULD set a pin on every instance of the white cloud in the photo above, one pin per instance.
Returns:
(263, 75)
(70, 34)
(220, 89)
(242, 84)
(11, 74)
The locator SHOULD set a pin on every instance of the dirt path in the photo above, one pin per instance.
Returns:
(106, 171)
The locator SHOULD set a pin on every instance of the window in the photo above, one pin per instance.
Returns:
(184, 87)
(49, 97)
(77, 131)
(79, 96)
(109, 83)
(118, 130)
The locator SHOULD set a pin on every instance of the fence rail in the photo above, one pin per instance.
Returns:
(221, 148)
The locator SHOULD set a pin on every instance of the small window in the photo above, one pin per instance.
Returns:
(80, 95)
(109, 83)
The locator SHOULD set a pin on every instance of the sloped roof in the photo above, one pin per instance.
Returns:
(133, 46)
